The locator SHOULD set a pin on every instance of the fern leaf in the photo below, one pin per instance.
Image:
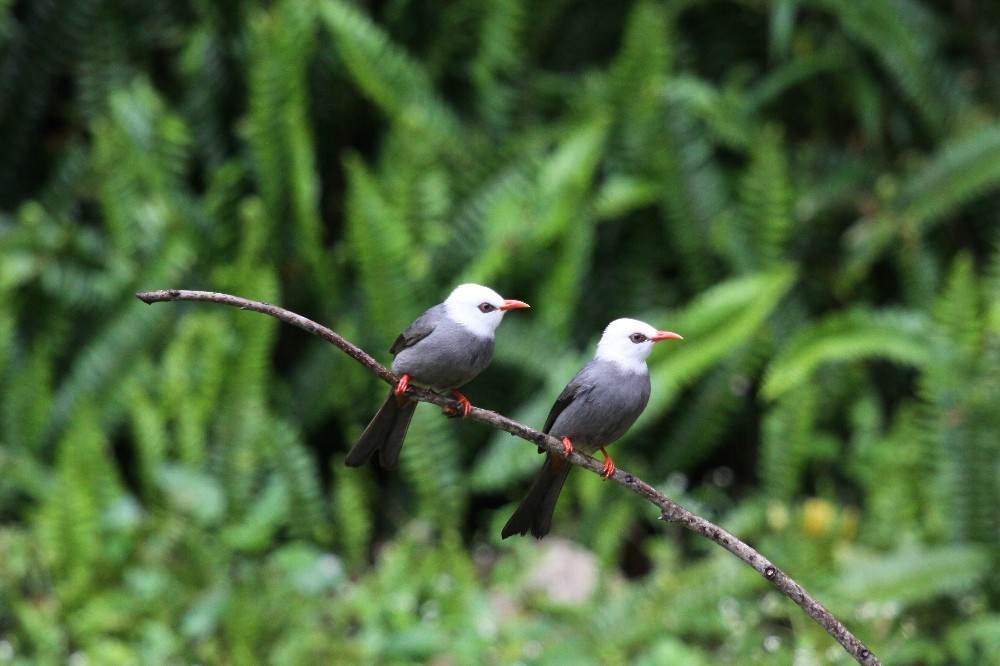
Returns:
(788, 435)
(98, 367)
(394, 81)
(916, 574)
(280, 131)
(306, 509)
(897, 336)
(695, 192)
(432, 460)
(498, 63)
(351, 514)
(379, 238)
(904, 36)
(958, 312)
(719, 321)
(636, 80)
(961, 169)
(84, 486)
(765, 203)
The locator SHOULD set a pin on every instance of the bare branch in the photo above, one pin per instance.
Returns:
(669, 510)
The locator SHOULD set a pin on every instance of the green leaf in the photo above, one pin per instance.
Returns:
(914, 574)
(860, 333)
(717, 322)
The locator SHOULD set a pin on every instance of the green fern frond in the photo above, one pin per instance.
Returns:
(379, 238)
(958, 311)
(84, 486)
(895, 464)
(280, 131)
(241, 417)
(789, 434)
(296, 470)
(27, 398)
(499, 61)
(966, 480)
(352, 516)
(766, 199)
(697, 430)
(394, 81)
(38, 48)
(492, 220)
(432, 460)
(860, 333)
(915, 573)
(140, 157)
(904, 36)
(959, 392)
(962, 169)
(635, 83)
(713, 325)
(191, 378)
(148, 425)
(99, 367)
(694, 192)
(724, 112)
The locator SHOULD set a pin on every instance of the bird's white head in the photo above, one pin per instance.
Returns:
(479, 308)
(627, 342)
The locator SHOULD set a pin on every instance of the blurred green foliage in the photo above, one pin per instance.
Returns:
(807, 190)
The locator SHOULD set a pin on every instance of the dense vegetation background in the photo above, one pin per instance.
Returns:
(807, 190)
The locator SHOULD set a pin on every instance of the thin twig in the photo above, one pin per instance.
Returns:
(669, 510)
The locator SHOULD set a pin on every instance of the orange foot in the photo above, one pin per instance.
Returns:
(609, 465)
(402, 385)
(466, 405)
(567, 447)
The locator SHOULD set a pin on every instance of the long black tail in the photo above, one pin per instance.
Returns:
(384, 434)
(535, 511)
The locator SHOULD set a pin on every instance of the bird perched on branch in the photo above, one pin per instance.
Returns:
(444, 348)
(596, 408)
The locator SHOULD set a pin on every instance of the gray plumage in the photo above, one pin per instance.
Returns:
(439, 351)
(596, 408)
(599, 405)
(443, 348)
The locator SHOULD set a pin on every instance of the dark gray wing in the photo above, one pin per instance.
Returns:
(577, 388)
(418, 330)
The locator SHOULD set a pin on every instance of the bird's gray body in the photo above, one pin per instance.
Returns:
(435, 351)
(438, 352)
(596, 408)
(598, 405)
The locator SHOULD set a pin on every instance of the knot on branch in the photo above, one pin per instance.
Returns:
(453, 410)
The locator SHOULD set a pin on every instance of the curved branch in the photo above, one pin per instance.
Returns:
(669, 510)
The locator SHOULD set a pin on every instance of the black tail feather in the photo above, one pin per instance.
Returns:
(384, 434)
(534, 514)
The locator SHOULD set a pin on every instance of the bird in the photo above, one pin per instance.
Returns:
(597, 407)
(442, 349)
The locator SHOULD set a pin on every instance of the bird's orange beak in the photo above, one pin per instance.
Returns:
(665, 335)
(514, 305)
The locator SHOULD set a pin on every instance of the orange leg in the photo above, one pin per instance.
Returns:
(567, 447)
(466, 405)
(402, 385)
(609, 465)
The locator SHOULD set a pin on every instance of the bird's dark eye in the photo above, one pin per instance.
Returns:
(486, 307)
(638, 338)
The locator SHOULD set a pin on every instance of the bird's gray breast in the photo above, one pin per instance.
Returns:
(447, 358)
(608, 405)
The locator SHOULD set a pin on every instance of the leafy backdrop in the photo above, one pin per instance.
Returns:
(807, 190)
